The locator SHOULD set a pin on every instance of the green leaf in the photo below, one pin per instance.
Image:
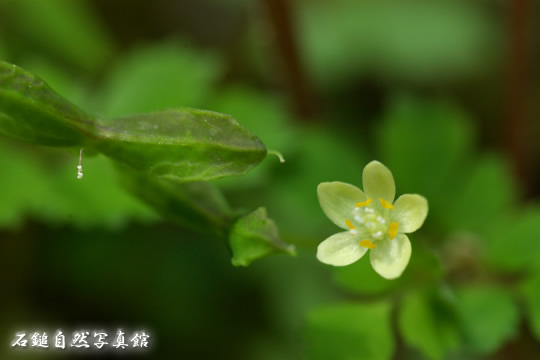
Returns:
(531, 293)
(31, 111)
(486, 193)
(426, 144)
(512, 243)
(428, 324)
(349, 332)
(181, 145)
(254, 236)
(488, 316)
(158, 77)
(194, 205)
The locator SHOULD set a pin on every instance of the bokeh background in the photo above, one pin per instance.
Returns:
(445, 93)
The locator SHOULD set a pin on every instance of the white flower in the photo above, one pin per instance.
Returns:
(372, 220)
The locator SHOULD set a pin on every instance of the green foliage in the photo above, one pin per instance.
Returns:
(71, 84)
(318, 155)
(349, 331)
(194, 205)
(486, 193)
(158, 77)
(359, 278)
(23, 176)
(67, 29)
(261, 113)
(56, 196)
(474, 257)
(3, 50)
(362, 279)
(181, 144)
(427, 322)
(423, 42)
(410, 128)
(489, 317)
(184, 145)
(264, 115)
(531, 292)
(512, 243)
(32, 112)
(254, 236)
(98, 201)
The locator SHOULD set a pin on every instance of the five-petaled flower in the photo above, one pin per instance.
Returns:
(372, 220)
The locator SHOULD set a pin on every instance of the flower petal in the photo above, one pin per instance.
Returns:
(410, 212)
(378, 182)
(340, 249)
(338, 200)
(390, 257)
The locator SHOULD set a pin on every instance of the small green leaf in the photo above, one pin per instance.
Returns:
(350, 332)
(488, 316)
(254, 236)
(32, 112)
(181, 144)
(428, 324)
(195, 205)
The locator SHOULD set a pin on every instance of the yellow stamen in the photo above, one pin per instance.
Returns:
(385, 204)
(393, 229)
(365, 203)
(349, 224)
(367, 244)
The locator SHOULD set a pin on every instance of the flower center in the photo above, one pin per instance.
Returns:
(369, 223)
(369, 219)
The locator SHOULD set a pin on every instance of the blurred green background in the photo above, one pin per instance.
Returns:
(444, 93)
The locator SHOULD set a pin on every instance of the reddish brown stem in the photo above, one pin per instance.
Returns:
(281, 20)
(517, 124)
